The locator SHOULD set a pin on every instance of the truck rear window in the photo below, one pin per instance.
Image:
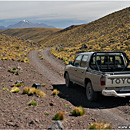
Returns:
(107, 62)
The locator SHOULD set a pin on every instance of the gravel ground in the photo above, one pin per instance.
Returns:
(16, 114)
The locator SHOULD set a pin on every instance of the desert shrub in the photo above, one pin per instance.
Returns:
(78, 111)
(59, 116)
(18, 85)
(32, 103)
(11, 71)
(47, 113)
(5, 58)
(2, 84)
(33, 70)
(25, 90)
(27, 108)
(6, 89)
(100, 125)
(31, 91)
(43, 84)
(66, 105)
(15, 90)
(41, 58)
(14, 68)
(20, 59)
(40, 50)
(40, 93)
(55, 92)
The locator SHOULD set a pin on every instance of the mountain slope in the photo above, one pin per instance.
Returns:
(36, 34)
(110, 33)
(113, 28)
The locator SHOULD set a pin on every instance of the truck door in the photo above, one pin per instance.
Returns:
(82, 69)
(74, 70)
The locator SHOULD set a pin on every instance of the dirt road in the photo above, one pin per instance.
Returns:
(110, 109)
(48, 67)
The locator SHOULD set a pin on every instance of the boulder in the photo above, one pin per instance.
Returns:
(56, 126)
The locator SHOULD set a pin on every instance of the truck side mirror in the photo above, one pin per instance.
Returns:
(70, 63)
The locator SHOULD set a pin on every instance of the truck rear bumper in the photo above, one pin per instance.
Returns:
(114, 93)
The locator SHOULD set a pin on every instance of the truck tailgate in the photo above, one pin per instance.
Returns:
(118, 80)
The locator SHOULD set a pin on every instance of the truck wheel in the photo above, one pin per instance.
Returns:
(67, 80)
(91, 95)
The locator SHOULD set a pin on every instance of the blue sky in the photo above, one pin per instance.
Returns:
(60, 14)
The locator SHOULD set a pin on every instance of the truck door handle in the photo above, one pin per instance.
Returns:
(75, 70)
(82, 71)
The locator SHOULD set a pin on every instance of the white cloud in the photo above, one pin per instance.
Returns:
(50, 10)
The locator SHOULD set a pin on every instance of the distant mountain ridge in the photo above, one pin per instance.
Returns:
(2, 28)
(26, 24)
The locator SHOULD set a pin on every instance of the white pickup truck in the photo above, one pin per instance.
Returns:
(100, 72)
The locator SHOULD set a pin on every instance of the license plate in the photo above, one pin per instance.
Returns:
(125, 89)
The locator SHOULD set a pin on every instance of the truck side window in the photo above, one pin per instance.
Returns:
(119, 60)
(84, 61)
(77, 60)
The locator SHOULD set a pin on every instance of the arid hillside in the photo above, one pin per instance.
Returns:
(35, 34)
(110, 33)
(111, 29)
(12, 48)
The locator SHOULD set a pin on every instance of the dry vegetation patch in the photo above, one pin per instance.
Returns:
(12, 48)
(99, 126)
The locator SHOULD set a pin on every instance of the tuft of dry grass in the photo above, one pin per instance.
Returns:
(99, 126)
(32, 90)
(15, 90)
(25, 90)
(59, 115)
(40, 93)
(43, 84)
(18, 85)
(6, 89)
(32, 103)
(78, 111)
(55, 92)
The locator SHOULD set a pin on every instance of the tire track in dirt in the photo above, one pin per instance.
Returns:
(52, 60)
(53, 69)
(45, 68)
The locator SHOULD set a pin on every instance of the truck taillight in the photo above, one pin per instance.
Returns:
(102, 81)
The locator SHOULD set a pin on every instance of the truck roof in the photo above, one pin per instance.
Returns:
(100, 53)
(88, 53)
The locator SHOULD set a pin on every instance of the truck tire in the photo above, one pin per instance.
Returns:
(90, 94)
(68, 83)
